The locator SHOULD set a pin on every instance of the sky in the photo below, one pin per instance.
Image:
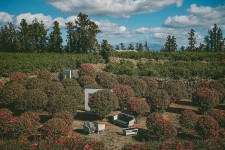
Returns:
(124, 20)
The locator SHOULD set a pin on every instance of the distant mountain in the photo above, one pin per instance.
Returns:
(153, 47)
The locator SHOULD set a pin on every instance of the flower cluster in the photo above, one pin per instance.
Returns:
(18, 77)
(56, 127)
(188, 119)
(5, 115)
(66, 116)
(124, 94)
(138, 106)
(219, 116)
(208, 127)
(106, 80)
(205, 98)
(87, 70)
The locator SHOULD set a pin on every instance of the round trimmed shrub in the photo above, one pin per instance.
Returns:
(188, 119)
(37, 83)
(70, 83)
(106, 80)
(205, 99)
(175, 88)
(159, 100)
(124, 79)
(54, 88)
(208, 127)
(11, 92)
(124, 94)
(138, 106)
(103, 102)
(29, 122)
(160, 128)
(219, 116)
(5, 115)
(33, 99)
(76, 93)
(66, 116)
(87, 70)
(56, 127)
(152, 85)
(61, 102)
(44, 74)
(88, 82)
(18, 77)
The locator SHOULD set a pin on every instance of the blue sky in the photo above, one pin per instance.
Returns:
(124, 20)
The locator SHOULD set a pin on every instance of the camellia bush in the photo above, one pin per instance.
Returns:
(152, 85)
(37, 83)
(138, 107)
(11, 92)
(205, 99)
(65, 115)
(87, 70)
(103, 102)
(33, 100)
(18, 77)
(88, 82)
(219, 116)
(160, 128)
(124, 94)
(5, 115)
(54, 88)
(188, 119)
(44, 74)
(61, 102)
(208, 127)
(159, 100)
(56, 127)
(106, 79)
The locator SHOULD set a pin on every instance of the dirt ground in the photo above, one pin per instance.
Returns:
(113, 137)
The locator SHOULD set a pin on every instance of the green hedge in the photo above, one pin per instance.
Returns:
(31, 62)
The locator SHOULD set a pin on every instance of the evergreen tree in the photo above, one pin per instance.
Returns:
(170, 45)
(146, 47)
(70, 37)
(122, 46)
(86, 31)
(55, 39)
(214, 40)
(130, 47)
(106, 50)
(23, 36)
(191, 40)
(182, 48)
(117, 47)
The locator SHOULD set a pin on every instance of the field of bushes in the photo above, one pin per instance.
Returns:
(140, 88)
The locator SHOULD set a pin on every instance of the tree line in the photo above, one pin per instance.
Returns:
(81, 38)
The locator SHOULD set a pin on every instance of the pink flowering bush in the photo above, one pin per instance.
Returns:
(138, 106)
(208, 127)
(88, 82)
(87, 70)
(188, 119)
(29, 122)
(219, 116)
(44, 74)
(160, 128)
(18, 77)
(5, 115)
(65, 115)
(124, 94)
(54, 88)
(37, 83)
(33, 99)
(152, 85)
(11, 93)
(159, 100)
(56, 127)
(205, 99)
(106, 79)
(103, 102)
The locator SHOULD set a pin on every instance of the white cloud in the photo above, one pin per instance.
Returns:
(5, 17)
(199, 16)
(111, 29)
(47, 20)
(159, 35)
(114, 8)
